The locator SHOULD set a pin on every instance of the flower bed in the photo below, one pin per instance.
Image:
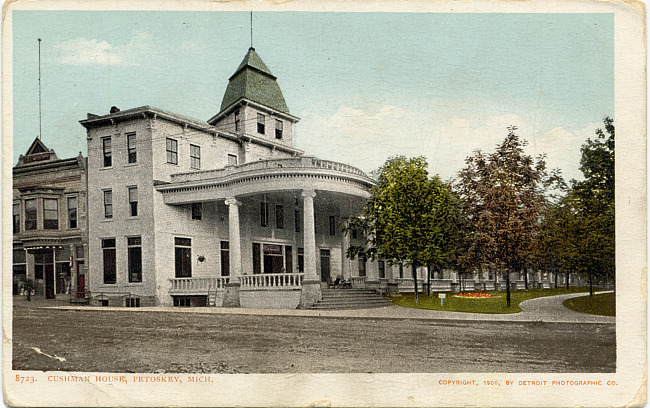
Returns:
(476, 295)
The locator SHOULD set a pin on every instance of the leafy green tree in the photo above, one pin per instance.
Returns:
(590, 208)
(504, 195)
(409, 217)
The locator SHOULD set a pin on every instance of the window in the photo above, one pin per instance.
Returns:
(50, 213)
(401, 270)
(16, 218)
(197, 211)
(257, 263)
(134, 246)
(297, 220)
(232, 160)
(183, 252)
(278, 129)
(108, 204)
(108, 246)
(130, 148)
(133, 201)
(72, 212)
(225, 258)
(30, 214)
(264, 214)
(354, 233)
(301, 260)
(260, 123)
(237, 120)
(195, 157)
(106, 148)
(288, 259)
(279, 216)
(381, 265)
(362, 265)
(332, 225)
(132, 302)
(172, 151)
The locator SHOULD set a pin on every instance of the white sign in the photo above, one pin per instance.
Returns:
(442, 295)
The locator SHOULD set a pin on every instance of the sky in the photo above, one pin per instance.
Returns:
(367, 86)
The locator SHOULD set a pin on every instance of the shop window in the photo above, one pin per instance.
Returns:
(50, 213)
(107, 151)
(72, 212)
(278, 129)
(183, 255)
(195, 157)
(16, 218)
(30, 214)
(131, 148)
(197, 211)
(108, 203)
(264, 214)
(108, 247)
(133, 201)
(225, 258)
(279, 216)
(260, 123)
(134, 247)
(172, 151)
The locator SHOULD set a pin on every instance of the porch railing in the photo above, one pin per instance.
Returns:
(358, 281)
(272, 281)
(198, 285)
(406, 284)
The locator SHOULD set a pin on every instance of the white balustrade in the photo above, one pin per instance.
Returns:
(198, 285)
(358, 281)
(272, 281)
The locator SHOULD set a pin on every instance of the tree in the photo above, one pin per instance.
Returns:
(590, 204)
(503, 195)
(409, 217)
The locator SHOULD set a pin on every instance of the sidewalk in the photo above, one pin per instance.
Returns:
(545, 309)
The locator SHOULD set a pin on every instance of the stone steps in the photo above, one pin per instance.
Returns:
(333, 299)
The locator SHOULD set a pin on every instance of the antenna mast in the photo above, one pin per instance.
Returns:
(40, 128)
(251, 28)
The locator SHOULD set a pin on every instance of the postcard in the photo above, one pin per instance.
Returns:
(324, 203)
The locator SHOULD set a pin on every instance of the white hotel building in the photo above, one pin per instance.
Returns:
(224, 212)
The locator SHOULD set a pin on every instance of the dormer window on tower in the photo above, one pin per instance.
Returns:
(260, 123)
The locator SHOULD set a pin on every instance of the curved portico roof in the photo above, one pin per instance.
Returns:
(265, 176)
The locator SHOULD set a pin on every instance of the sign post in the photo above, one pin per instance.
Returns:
(442, 297)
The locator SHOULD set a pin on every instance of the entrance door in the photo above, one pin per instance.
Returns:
(49, 281)
(325, 265)
(81, 280)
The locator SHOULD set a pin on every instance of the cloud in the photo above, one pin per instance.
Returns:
(366, 139)
(82, 51)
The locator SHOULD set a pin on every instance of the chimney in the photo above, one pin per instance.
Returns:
(114, 109)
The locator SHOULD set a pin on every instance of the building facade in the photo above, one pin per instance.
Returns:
(49, 224)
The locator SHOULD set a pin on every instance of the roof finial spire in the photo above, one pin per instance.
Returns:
(40, 129)
(251, 28)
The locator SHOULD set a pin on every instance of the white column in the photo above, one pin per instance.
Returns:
(310, 292)
(231, 295)
(234, 239)
(309, 235)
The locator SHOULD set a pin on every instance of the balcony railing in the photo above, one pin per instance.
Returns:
(198, 285)
(304, 162)
(272, 281)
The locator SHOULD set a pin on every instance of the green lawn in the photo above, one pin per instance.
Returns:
(603, 304)
(490, 305)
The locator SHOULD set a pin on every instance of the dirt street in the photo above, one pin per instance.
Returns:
(162, 342)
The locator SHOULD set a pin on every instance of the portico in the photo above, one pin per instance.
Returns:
(295, 242)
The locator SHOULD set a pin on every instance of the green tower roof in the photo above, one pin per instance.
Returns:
(254, 81)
